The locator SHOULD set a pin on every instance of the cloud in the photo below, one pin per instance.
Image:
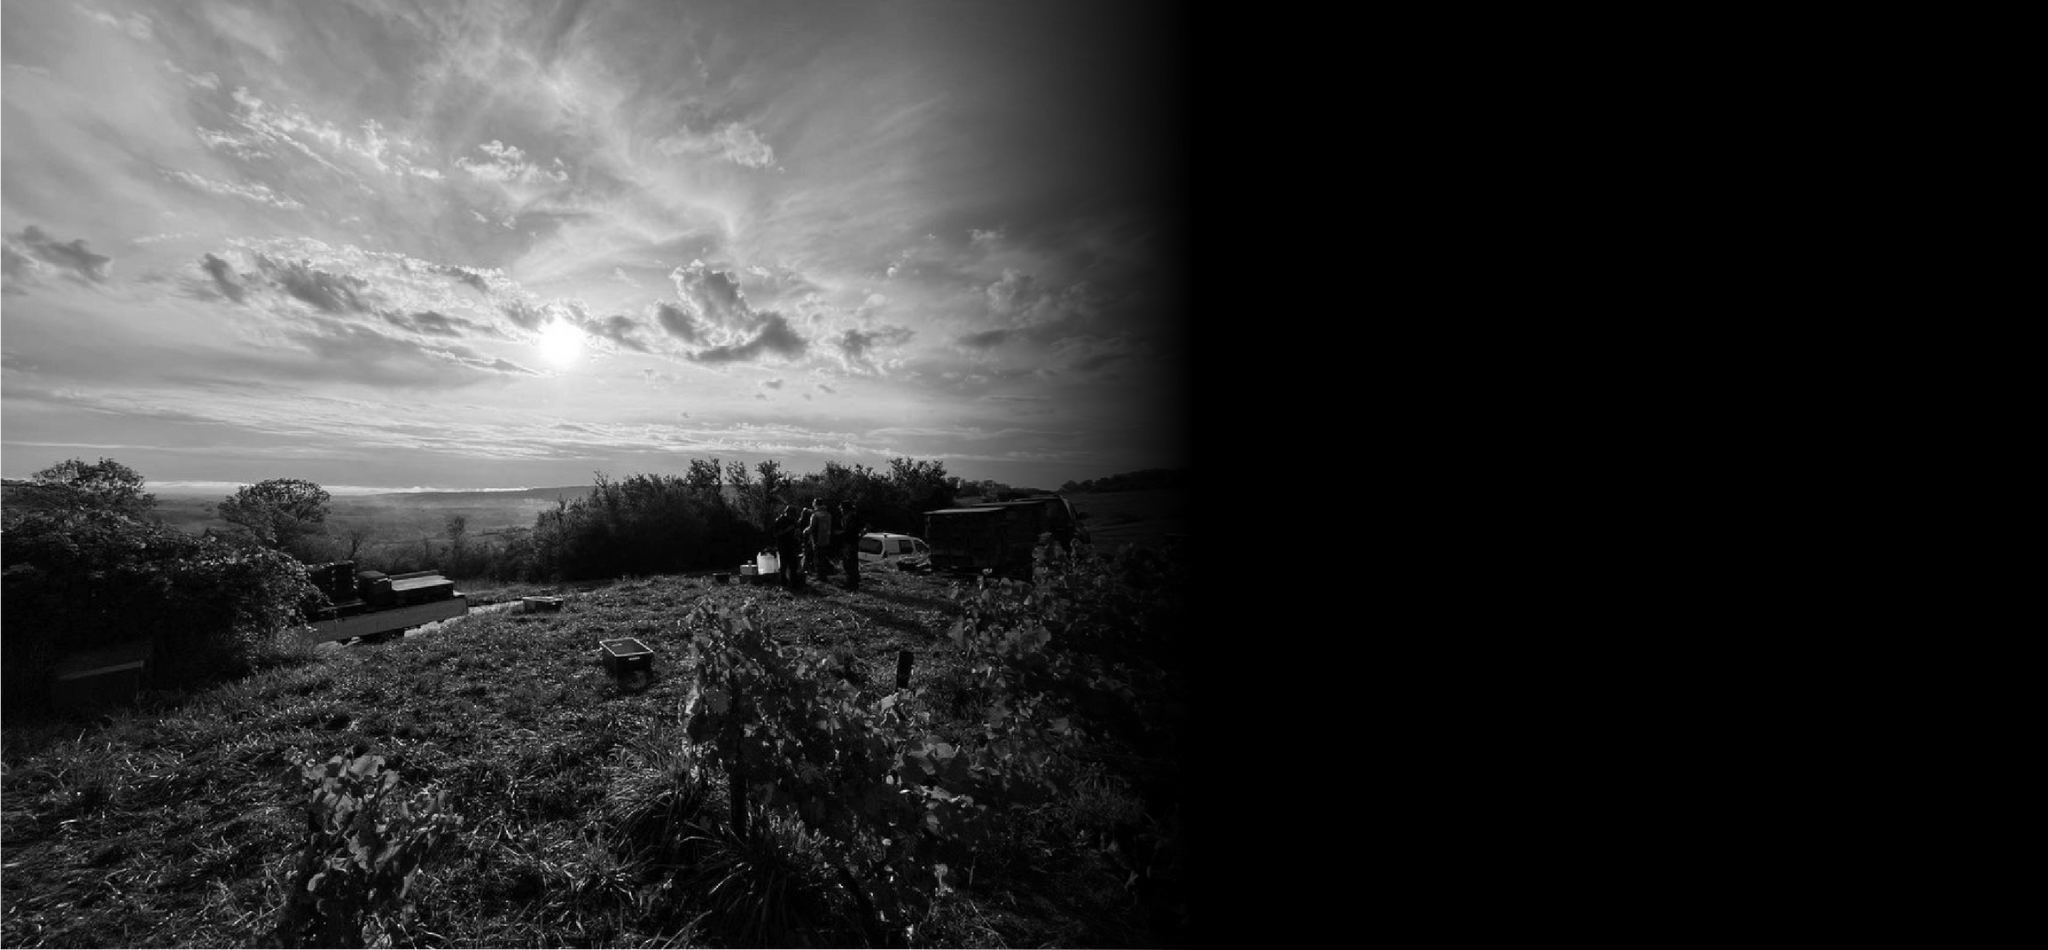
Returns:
(362, 354)
(208, 81)
(334, 293)
(223, 277)
(500, 365)
(526, 314)
(18, 269)
(508, 165)
(28, 251)
(715, 310)
(268, 131)
(987, 339)
(290, 128)
(619, 329)
(277, 275)
(732, 141)
(433, 323)
(258, 193)
(472, 278)
(714, 295)
(677, 322)
(1012, 293)
(775, 337)
(135, 24)
(1094, 354)
(856, 347)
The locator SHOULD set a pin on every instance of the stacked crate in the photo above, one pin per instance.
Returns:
(420, 587)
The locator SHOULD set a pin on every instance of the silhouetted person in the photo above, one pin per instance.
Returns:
(818, 537)
(851, 527)
(789, 547)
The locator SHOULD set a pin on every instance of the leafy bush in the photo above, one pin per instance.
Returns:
(647, 524)
(363, 844)
(76, 580)
(76, 484)
(657, 524)
(289, 514)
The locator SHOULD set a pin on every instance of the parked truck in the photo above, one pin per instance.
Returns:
(998, 536)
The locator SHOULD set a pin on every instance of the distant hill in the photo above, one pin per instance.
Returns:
(1151, 479)
(490, 498)
(470, 499)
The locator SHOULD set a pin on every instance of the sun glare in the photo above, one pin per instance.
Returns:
(560, 342)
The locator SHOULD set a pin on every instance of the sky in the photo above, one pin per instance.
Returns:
(393, 245)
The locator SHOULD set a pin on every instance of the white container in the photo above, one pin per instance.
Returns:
(767, 563)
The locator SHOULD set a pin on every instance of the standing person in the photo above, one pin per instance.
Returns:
(820, 538)
(1063, 528)
(803, 530)
(851, 527)
(788, 546)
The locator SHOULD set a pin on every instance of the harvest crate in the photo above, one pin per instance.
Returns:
(626, 655)
(537, 604)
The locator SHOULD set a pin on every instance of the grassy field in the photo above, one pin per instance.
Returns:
(179, 822)
(1134, 517)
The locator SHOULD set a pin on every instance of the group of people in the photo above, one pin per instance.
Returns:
(808, 539)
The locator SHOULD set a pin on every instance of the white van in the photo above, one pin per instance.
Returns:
(884, 547)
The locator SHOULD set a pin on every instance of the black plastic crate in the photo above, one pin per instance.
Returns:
(626, 655)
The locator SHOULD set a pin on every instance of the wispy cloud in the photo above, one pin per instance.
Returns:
(135, 25)
(252, 191)
(732, 141)
(506, 164)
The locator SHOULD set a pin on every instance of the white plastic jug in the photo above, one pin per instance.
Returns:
(767, 563)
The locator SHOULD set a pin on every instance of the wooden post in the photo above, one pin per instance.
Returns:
(903, 669)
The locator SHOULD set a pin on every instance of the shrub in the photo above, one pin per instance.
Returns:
(79, 579)
(647, 524)
(363, 845)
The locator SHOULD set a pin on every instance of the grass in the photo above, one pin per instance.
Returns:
(1143, 518)
(587, 819)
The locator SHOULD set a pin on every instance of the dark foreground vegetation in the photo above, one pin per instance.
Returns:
(491, 783)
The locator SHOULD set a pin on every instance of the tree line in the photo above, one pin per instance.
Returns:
(1150, 479)
(85, 564)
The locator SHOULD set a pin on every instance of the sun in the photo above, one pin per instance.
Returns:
(560, 342)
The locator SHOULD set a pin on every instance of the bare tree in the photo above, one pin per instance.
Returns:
(356, 535)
